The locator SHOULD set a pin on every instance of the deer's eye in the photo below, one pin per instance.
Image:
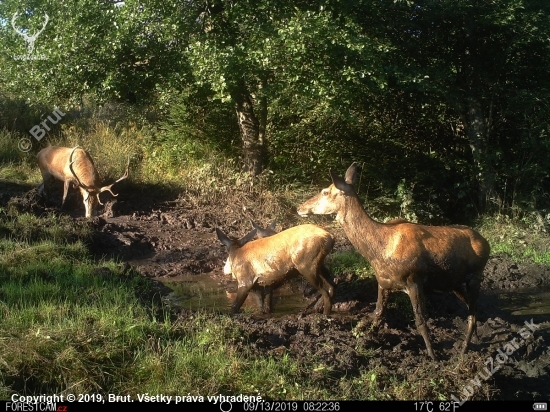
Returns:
(324, 192)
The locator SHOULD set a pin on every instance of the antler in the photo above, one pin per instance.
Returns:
(124, 176)
(73, 172)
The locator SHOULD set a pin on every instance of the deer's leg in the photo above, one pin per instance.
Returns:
(314, 275)
(263, 298)
(316, 279)
(381, 303)
(43, 187)
(417, 299)
(242, 294)
(327, 279)
(464, 297)
(66, 186)
(259, 298)
(40, 189)
(327, 301)
(268, 300)
(472, 287)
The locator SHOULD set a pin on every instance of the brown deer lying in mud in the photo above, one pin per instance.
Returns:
(408, 256)
(264, 264)
(75, 167)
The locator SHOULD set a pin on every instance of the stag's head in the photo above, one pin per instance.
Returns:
(90, 193)
(90, 202)
(332, 199)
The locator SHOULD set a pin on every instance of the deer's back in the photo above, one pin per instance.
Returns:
(56, 160)
(283, 251)
(441, 255)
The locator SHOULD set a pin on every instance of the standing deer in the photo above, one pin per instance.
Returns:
(75, 167)
(269, 261)
(407, 256)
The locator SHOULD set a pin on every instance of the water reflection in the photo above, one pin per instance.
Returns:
(524, 302)
(205, 292)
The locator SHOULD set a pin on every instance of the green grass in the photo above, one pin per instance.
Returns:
(524, 240)
(349, 262)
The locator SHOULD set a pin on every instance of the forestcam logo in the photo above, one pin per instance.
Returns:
(29, 39)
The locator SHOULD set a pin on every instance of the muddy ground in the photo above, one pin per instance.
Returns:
(163, 235)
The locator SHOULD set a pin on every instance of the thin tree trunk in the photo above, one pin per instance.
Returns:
(262, 101)
(252, 132)
(477, 136)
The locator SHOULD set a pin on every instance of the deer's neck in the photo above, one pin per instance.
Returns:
(364, 233)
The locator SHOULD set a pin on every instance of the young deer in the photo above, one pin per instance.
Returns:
(75, 167)
(407, 256)
(264, 264)
(264, 296)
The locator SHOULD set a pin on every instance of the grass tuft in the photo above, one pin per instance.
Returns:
(523, 240)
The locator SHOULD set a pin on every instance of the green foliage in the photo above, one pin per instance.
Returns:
(195, 126)
(93, 47)
(341, 263)
(405, 196)
(340, 84)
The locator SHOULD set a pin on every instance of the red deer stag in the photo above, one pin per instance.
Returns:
(268, 262)
(75, 167)
(408, 256)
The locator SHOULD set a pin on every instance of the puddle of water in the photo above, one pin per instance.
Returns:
(524, 302)
(203, 292)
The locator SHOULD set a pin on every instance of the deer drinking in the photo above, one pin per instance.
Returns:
(269, 261)
(73, 166)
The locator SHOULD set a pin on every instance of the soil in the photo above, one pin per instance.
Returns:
(163, 235)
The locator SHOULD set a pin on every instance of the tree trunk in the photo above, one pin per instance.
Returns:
(262, 101)
(477, 136)
(252, 131)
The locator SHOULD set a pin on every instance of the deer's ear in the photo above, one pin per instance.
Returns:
(351, 174)
(247, 237)
(339, 182)
(223, 238)
(255, 225)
